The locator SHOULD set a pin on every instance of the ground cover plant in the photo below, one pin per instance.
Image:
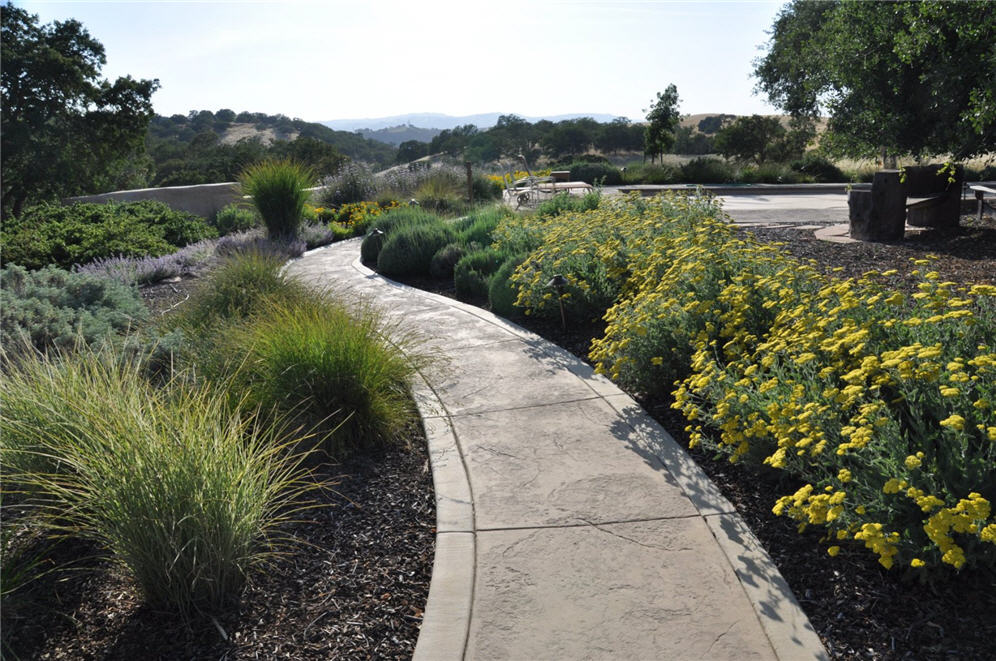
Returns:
(54, 309)
(879, 402)
(80, 233)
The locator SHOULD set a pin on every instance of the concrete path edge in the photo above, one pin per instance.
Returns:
(447, 615)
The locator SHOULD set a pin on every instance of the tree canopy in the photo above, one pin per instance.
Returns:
(64, 130)
(896, 77)
(663, 119)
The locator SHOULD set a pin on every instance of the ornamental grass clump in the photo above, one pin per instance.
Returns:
(329, 368)
(279, 192)
(241, 285)
(180, 490)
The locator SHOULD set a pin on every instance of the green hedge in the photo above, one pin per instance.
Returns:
(80, 233)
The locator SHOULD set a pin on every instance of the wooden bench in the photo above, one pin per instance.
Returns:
(980, 193)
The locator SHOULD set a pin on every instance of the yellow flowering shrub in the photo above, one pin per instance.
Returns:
(507, 179)
(881, 402)
(861, 390)
(356, 216)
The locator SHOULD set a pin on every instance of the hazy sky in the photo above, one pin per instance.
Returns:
(340, 59)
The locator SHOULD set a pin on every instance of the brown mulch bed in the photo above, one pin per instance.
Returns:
(967, 254)
(351, 586)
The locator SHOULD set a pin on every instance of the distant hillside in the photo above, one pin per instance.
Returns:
(206, 147)
(395, 135)
(435, 120)
(230, 128)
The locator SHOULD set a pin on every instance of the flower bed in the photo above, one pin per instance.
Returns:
(882, 403)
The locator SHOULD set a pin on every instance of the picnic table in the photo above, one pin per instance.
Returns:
(980, 193)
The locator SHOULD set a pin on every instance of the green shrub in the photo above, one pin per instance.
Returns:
(501, 292)
(485, 188)
(371, 246)
(389, 222)
(473, 272)
(445, 259)
(279, 192)
(55, 308)
(236, 218)
(409, 250)
(639, 173)
(329, 369)
(596, 173)
(81, 233)
(770, 173)
(707, 171)
(566, 203)
(181, 491)
(818, 168)
(478, 226)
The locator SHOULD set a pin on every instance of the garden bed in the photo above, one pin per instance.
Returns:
(860, 610)
(352, 585)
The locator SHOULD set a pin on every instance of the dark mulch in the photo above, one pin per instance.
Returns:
(352, 585)
(967, 254)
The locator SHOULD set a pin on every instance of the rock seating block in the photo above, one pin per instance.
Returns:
(878, 214)
(942, 208)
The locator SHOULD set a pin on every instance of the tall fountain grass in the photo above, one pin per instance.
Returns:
(279, 190)
(183, 490)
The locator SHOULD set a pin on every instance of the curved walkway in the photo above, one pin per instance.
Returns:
(570, 525)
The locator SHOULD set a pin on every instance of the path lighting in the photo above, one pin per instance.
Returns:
(413, 202)
(559, 282)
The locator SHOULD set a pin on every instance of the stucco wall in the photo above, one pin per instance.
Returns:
(203, 200)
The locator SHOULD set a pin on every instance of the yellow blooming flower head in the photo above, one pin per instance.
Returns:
(955, 422)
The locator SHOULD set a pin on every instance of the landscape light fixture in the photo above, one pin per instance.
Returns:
(559, 282)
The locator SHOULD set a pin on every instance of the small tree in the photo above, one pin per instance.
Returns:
(663, 119)
(411, 150)
(894, 77)
(64, 130)
(750, 138)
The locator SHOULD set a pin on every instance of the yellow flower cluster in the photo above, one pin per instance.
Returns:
(840, 382)
(507, 179)
(359, 213)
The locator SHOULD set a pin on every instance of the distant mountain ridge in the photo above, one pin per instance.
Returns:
(441, 121)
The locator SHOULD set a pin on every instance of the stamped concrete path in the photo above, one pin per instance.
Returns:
(569, 524)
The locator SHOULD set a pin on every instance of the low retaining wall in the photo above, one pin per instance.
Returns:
(202, 200)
